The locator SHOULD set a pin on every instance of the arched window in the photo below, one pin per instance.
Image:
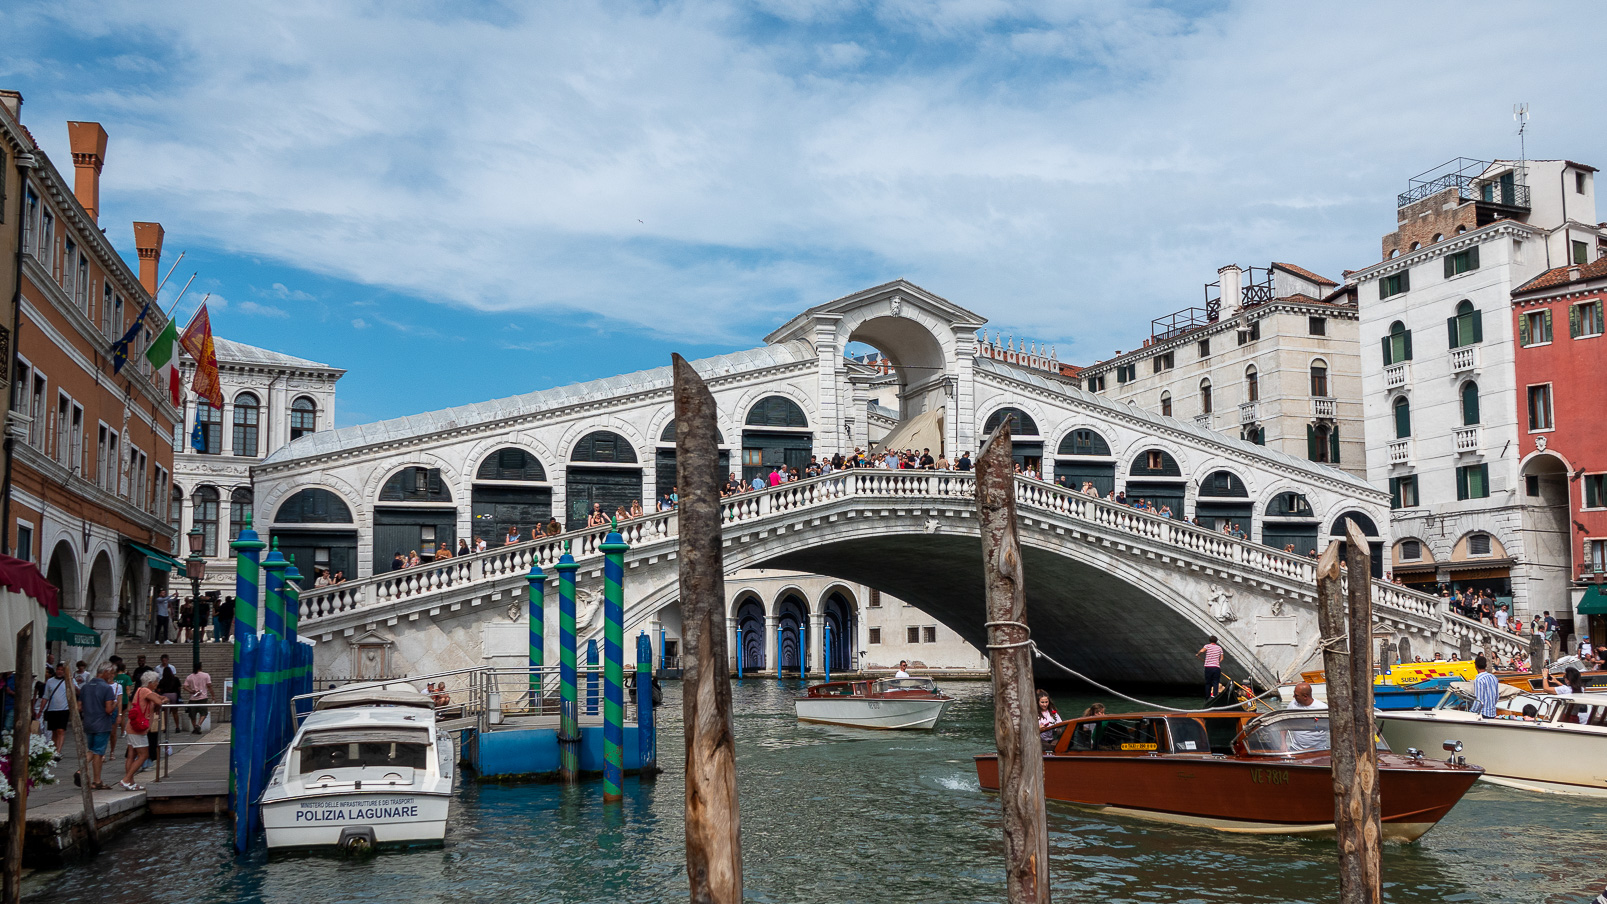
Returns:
(667, 435)
(209, 427)
(1155, 463)
(1398, 344)
(1084, 442)
(1438, 237)
(246, 411)
(1319, 379)
(1252, 384)
(240, 502)
(303, 417)
(1166, 404)
(511, 464)
(1205, 396)
(415, 485)
(205, 504)
(1021, 423)
(604, 446)
(1289, 505)
(1403, 418)
(1223, 483)
(1466, 327)
(1415, 246)
(1470, 403)
(313, 506)
(775, 411)
(175, 508)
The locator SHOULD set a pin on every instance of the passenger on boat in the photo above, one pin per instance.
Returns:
(1048, 717)
(1313, 739)
(1574, 684)
(903, 669)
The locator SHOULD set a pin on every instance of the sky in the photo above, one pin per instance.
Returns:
(469, 200)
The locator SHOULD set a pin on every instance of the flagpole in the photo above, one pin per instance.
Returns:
(169, 273)
(186, 288)
(197, 310)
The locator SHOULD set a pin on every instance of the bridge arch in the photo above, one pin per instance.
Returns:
(748, 613)
(791, 609)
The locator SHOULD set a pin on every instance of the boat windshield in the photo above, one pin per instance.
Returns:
(1285, 733)
(354, 750)
(924, 685)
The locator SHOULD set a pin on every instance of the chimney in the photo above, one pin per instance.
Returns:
(148, 242)
(1232, 288)
(12, 101)
(88, 141)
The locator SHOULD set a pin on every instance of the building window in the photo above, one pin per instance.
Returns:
(1394, 284)
(1411, 550)
(1540, 407)
(1470, 404)
(246, 411)
(912, 634)
(875, 635)
(208, 429)
(1466, 326)
(1096, 384)
(929, 634)
(1461, 262)
(303, 417)
(1479, 545)
(1126, 373)
(1205, 348)
(1473, 482)
(25, 542)
(1534, 328)
(1317, 326)
(1205, 396)
(1166, 404)
(1322, 443)
(1403, 491)
(1163, 362)
(1319, 380)
(1596, 491)
(1252, 385)
(175, 509)
(240, 502)
(205, 514)
(1403, 418)
(752, 458)
(1250, 333)
(1398, 344)
(1585, 320)
(1597, 551)
(1581, 253)
(81, 285)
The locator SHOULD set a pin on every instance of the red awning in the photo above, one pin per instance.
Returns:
(24, 577)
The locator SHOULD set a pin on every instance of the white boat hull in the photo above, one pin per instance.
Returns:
(393, 817)
(1531, 756)
(895, 714)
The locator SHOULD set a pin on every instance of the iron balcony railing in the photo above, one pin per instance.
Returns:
(1180, 322)
(1467, 176)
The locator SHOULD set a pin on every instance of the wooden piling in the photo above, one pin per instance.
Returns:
(1015, 710)
(713, 821)
(18, 813)
(1347, 661)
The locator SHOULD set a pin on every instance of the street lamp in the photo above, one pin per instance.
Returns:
(195, 569)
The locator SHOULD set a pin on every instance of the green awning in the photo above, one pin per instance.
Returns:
(1594, 602)
(157, 558)
(70, 631)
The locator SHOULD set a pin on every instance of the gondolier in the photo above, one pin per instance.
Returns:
(1212, 655)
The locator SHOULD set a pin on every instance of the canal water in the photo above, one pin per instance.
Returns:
(837, 815)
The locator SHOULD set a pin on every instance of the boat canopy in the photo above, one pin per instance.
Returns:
(906, 684)
(350, 735)
(374, 697)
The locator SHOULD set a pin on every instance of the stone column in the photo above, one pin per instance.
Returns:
(734, 639)
(828, 419)
(960, 427)
(772, 653)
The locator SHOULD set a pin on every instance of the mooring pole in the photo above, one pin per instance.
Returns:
(1346, 662)
(568, 702)
(247, 547)
(537, 579)
(713, 818)
(739, 652)
(778, 650)
(17, 826)
(273, 586)
(593, 682)
(825, 653)
(803, 648)
(613, 548)
(646, 731)
(1015, 721)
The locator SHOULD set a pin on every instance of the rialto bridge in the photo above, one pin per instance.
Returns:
(1111, 590)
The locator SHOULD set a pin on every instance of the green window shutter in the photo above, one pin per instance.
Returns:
(1470, 405)
(1450, 332)
(1406, 281)
(1383, 288)
(1573, 321)
(1450, 266)
(1333, 445)
(1473, 257)
(1482, 472)
(1547, 336)
(1523, 329)
(1478, 326)
(1387, 362)
(1394, 492)
(1408, 355)
(1403, 419)
(1461, 483)
(1311, 442)
(1598, 315)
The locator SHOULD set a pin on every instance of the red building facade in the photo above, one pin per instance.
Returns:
(1561, 364)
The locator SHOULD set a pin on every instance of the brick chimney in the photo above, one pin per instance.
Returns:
(12, 101)
(88, 141)
(148, 242)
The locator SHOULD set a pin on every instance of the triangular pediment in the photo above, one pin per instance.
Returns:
(906, 292)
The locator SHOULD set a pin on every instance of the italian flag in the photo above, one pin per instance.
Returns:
(164, 356)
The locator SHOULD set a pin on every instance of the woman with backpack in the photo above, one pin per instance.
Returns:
(141, 713)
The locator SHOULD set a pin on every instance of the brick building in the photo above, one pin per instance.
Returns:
(86, 487)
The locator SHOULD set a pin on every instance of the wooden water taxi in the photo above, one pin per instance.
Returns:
(911, 704)
(1231, 771)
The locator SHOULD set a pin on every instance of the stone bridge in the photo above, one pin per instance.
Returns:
(1114, 592)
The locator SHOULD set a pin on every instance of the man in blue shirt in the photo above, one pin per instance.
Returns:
(99, 700)
(1486, 689)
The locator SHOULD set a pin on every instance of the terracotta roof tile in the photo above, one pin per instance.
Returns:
(1302, 271)
(1558, 276)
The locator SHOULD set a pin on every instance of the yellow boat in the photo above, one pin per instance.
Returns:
(1407, 673)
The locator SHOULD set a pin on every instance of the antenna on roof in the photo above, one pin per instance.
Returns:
(1520, 112)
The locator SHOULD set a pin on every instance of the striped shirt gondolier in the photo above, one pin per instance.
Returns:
(1213, 656)
(1487, 692)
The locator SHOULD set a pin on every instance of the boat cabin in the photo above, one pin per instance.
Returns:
(885, 687)
(1570, 709)
(1138, 734)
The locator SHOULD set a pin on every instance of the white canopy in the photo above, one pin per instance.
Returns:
(16, 610)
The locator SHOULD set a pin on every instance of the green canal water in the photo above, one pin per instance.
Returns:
(835, 815)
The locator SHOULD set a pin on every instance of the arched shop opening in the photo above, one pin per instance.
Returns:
(1289, 521)
(775, 434)
(750, 632)
(1222, 500)
(603, 472)
(316, 527)
(839, 614)
(1368, 529)
(1156, 477)
(792, 613)
(1026, 444)
(510, 491)
(1084, 457)
(415, 512)
(664, 462)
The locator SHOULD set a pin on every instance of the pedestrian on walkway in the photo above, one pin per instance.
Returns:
(1211, 654)
(141, 715)
(225, 619)
(159, 630)
(99, 705)
(168, 684)
(54, 706)
(198, 691)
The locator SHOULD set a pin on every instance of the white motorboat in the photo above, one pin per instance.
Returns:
(366, 768)
(892, 703)
(1561, 748)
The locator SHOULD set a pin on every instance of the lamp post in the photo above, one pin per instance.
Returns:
(195, 569)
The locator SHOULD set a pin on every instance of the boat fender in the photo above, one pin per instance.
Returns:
(357, 840)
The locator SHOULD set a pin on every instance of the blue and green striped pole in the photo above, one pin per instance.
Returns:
(292, 601)
(825, 660)
(779, 649)
(593, 684)
(646, 733)
(537, 579)
(273, 586)
(569, 718)
(246, 550)
(613, 548)
(293, 665)
(739, 651)
(270, 661)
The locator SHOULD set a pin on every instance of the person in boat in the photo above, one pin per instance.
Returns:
(903, 669)
(1211, 655)
(1048, 718)
(1314, 739)
(1486, 687)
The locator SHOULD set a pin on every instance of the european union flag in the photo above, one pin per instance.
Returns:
(198, 438)
(120, 347)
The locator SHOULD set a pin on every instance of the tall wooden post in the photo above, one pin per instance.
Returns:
(1015, 716)
(1347, 661)
(713, 821)
(76, 717)
(22, 703)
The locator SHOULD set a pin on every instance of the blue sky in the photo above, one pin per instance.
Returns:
(463, 201)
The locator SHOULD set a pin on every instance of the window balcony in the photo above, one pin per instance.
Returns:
(1249, 412)
(1464, 358)
(1467, 438)
(1400, 451)
(1396, 375)
(1203, 421)
(1328, 408)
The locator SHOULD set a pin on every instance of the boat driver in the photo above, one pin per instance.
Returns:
(903, 669)
(1313, 739)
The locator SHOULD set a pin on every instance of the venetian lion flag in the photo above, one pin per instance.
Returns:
(164, 357)
(197, 340)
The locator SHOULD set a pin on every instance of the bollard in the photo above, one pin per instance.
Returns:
(569, 718)
(825, 659)
(779, 648)
(739, 652)
(613, 548)
(246, 549)
(593, 685)
(646, 734)
(537, 579)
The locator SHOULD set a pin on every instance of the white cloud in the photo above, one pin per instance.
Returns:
(283, 293)
(260, 310)
(1069, 170)
(359, 323)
